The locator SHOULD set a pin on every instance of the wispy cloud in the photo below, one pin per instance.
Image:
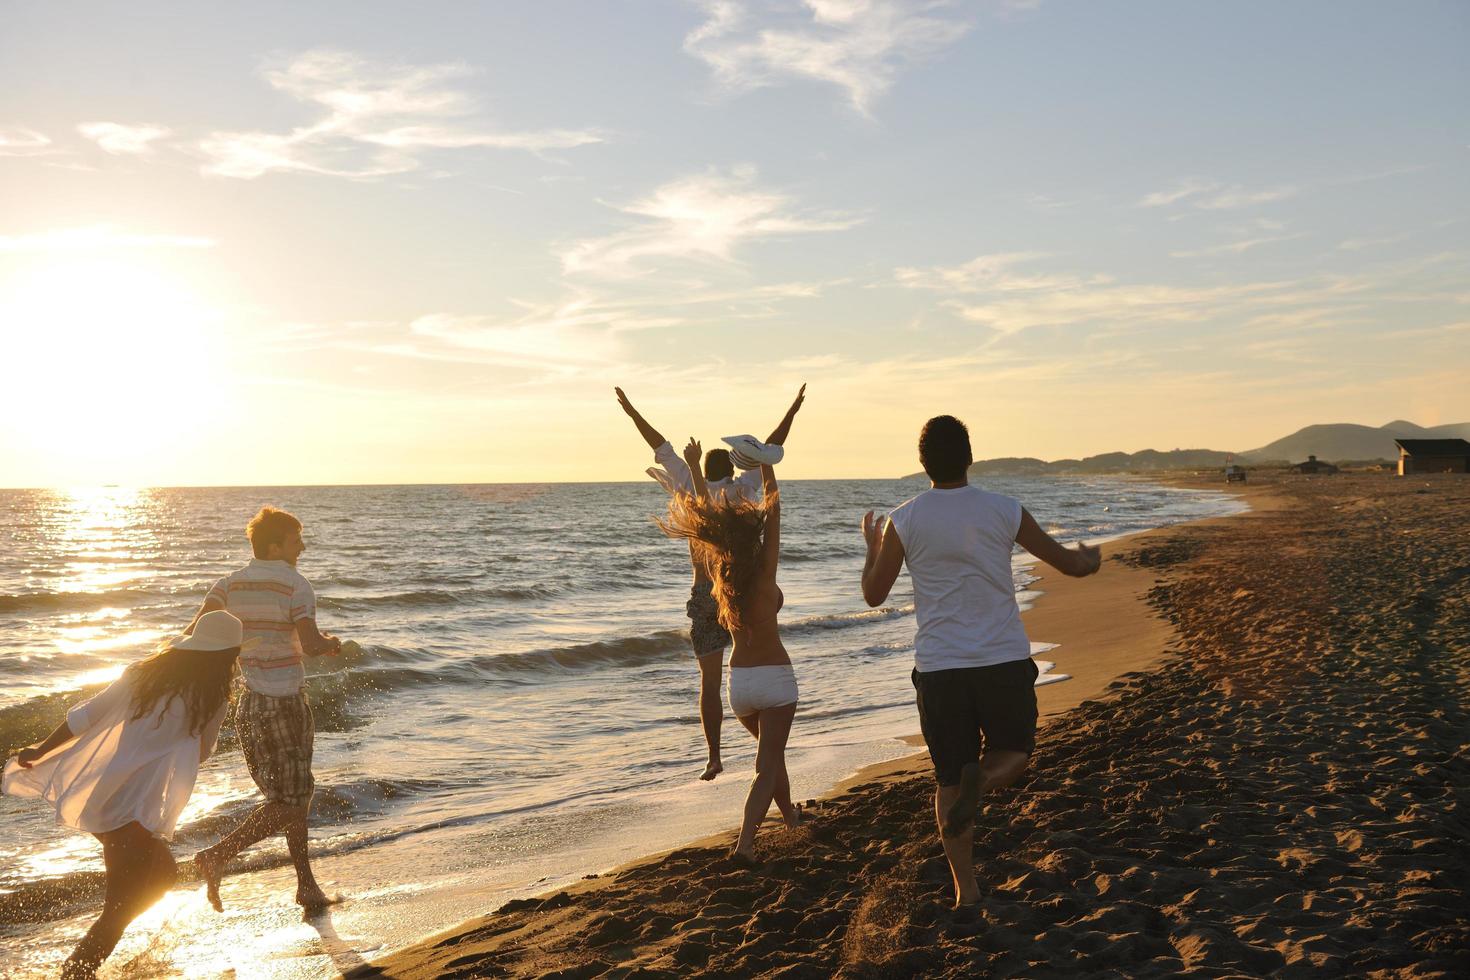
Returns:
(119, 139)
(23, 143)
(97, 237)
(376, 117)
(990, 291)
(1359, 244)
(993, 273)
(1209, 195)
(703, 217)
(1236, 247)
(860, 46)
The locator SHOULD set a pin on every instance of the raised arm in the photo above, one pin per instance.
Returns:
(692, 455)
(1078, 563)
(884, 560)
(650, 435)
(772, 498)
(779, 433)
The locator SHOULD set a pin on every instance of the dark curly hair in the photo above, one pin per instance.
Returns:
(944, 449)
(728, 539)
(199, 678)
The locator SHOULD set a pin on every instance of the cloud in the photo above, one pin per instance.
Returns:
(1358, 244)
(1236, 247)
(23, 143)
(990, 291)
(860, 46)
(117, 138)
(1207, 195)
(703, 217)
(94, 238)
(991, 273)
(375, 117)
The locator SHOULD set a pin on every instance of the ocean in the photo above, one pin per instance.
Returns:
(522, 712)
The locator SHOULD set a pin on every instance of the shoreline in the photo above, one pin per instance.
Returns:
(1137, 641)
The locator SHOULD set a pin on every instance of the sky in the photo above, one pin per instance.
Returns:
(369, 242)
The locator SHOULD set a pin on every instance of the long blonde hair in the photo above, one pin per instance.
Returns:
(728, 539)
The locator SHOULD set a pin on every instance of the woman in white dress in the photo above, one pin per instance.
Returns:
(122, 766)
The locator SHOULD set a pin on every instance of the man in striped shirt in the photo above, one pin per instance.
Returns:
(272, 717)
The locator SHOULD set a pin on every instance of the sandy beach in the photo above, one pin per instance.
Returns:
(1258, 767)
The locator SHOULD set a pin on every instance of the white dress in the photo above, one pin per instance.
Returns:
(119, 769)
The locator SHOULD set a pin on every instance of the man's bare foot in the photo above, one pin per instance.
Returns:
(210, 870)
(312, 899)
(961, 815)
(796, 818)
(712, 770)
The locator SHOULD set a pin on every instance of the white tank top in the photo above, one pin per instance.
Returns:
(957, 545)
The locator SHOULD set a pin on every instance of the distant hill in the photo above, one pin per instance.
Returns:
(1343, 440)
(1333, 442)
(1143, 461)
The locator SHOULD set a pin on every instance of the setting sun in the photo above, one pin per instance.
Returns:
(113, 357)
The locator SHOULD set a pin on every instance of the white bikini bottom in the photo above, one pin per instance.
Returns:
(755, 689)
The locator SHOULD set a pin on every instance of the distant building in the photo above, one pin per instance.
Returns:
(1433, 456)
(1235, 474)
(1313, 465)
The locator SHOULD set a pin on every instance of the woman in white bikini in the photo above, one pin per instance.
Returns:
(123, 764)
(740, 543)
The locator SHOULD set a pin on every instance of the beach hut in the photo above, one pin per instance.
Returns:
(1313, 465)
(1433, 456)
(1235, 474)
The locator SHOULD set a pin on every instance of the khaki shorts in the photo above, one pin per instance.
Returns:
(276, 735)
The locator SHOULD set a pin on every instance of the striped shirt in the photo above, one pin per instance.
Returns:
(269, 598)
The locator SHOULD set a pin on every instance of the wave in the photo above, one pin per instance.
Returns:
(847, 620)
(436, 597)
(42, 602)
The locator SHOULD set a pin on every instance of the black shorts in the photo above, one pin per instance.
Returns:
(956, 706)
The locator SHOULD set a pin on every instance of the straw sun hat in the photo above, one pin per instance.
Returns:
(215, 631)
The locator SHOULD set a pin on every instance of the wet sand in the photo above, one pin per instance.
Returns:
(1261, 766)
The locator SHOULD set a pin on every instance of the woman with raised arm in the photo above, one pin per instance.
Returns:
(740, 544)
(122, 766)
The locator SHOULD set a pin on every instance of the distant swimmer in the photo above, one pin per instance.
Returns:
(123, 764)
(272, 716)
(740, 545)
(973, 673)
(708, 637)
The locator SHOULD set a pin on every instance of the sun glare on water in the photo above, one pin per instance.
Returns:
(109, 358)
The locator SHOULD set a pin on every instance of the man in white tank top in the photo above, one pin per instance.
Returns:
(973, 673)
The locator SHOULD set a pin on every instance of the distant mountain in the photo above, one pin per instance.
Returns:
(1340, 441)
(1343, 441)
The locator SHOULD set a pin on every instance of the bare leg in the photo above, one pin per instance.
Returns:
(309, 894)
(997, 768)
(954, 811)
(782, 796)
(266, 820)
(711, 710)
(774, 726)
(958, 848)
(140, 871)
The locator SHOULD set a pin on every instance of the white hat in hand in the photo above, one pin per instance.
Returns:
(748, 452)
(215, 631)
